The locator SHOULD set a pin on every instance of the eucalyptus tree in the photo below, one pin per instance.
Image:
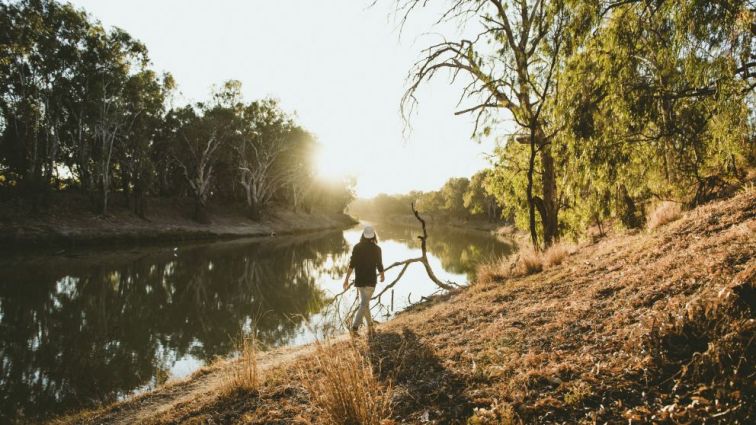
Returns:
(146, 94)
(299, 168)
(510, 65)
(195, 152)
(119, 61)
(39, 48)
(267, 138)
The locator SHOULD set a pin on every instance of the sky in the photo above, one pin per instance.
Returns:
(339, 65)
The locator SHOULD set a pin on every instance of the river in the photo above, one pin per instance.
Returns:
(81, 328)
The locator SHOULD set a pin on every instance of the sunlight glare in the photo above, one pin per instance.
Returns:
(335, 164)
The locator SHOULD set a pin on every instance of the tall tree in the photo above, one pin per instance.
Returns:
(478, 200)
(510, 65)
(268, 136)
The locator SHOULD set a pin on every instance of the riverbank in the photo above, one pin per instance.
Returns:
(69, 222)
(653, 326)
(481, 225)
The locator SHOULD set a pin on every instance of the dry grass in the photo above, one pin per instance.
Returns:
(556, 254)
(341, 384)
(493, 271)
(507, 231)
(243, 374)
(527, 262)
(653, 327)
(664, 213)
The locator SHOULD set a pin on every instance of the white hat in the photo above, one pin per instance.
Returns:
(368, 232)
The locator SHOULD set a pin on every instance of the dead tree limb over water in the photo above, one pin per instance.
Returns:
(422, 259)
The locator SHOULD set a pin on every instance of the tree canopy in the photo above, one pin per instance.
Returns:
(80, 108)
(616, 104)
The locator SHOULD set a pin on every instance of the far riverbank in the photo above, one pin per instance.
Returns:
(68, 221)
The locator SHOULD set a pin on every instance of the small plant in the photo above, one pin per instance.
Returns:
(498, 414)
(342, 385)
(666, 212)
(578, 393)
(493, 271)
(529, 262)
(244, 375)
(555, 255)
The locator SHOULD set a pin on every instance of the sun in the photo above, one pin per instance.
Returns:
(334, 164)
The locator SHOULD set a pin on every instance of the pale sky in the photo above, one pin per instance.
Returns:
(340, 65)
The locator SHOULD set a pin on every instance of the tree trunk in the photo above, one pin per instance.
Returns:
(125, 186)
(529, 195)
(550, 208)
(200, 213)
(254, 209)
(104, 192)
(139, 207)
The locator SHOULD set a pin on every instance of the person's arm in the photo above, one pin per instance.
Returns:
(346, 279)
(380, 264)
(349, 271)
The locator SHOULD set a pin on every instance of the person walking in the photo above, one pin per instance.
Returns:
(367, 263)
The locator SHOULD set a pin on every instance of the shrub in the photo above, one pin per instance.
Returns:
(342, 385)
(555, 255)
(493, 271)
(666, 212)
(528, 262)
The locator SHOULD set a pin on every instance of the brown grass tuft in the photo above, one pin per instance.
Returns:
(493, 271)
(244, 375)
(555, 255)
(529, 262)
(342, 385)
(666, 212)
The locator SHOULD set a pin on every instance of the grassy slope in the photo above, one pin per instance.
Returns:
(654, 326)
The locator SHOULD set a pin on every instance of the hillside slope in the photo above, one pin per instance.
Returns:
(653, 326)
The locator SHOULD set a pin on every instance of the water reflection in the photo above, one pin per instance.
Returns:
(78, 330)
(458, 250)
(89, 329)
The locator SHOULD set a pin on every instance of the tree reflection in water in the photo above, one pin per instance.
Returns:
(459, 250)
(87, 328)
(92, 328)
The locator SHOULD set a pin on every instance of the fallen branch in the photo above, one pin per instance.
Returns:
(422, 259)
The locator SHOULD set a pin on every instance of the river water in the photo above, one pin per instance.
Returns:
(79, 328)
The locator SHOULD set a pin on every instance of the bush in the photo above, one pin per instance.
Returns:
(666, 212)
(343, 387)
(493, 271)
(529, 262)
(555, 255)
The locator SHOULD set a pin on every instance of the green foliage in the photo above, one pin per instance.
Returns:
(459, 199)
(655, 102)
(80, 107)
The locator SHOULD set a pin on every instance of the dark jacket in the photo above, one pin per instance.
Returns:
(366, 261)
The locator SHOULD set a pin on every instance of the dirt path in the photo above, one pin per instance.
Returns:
(193, 389)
